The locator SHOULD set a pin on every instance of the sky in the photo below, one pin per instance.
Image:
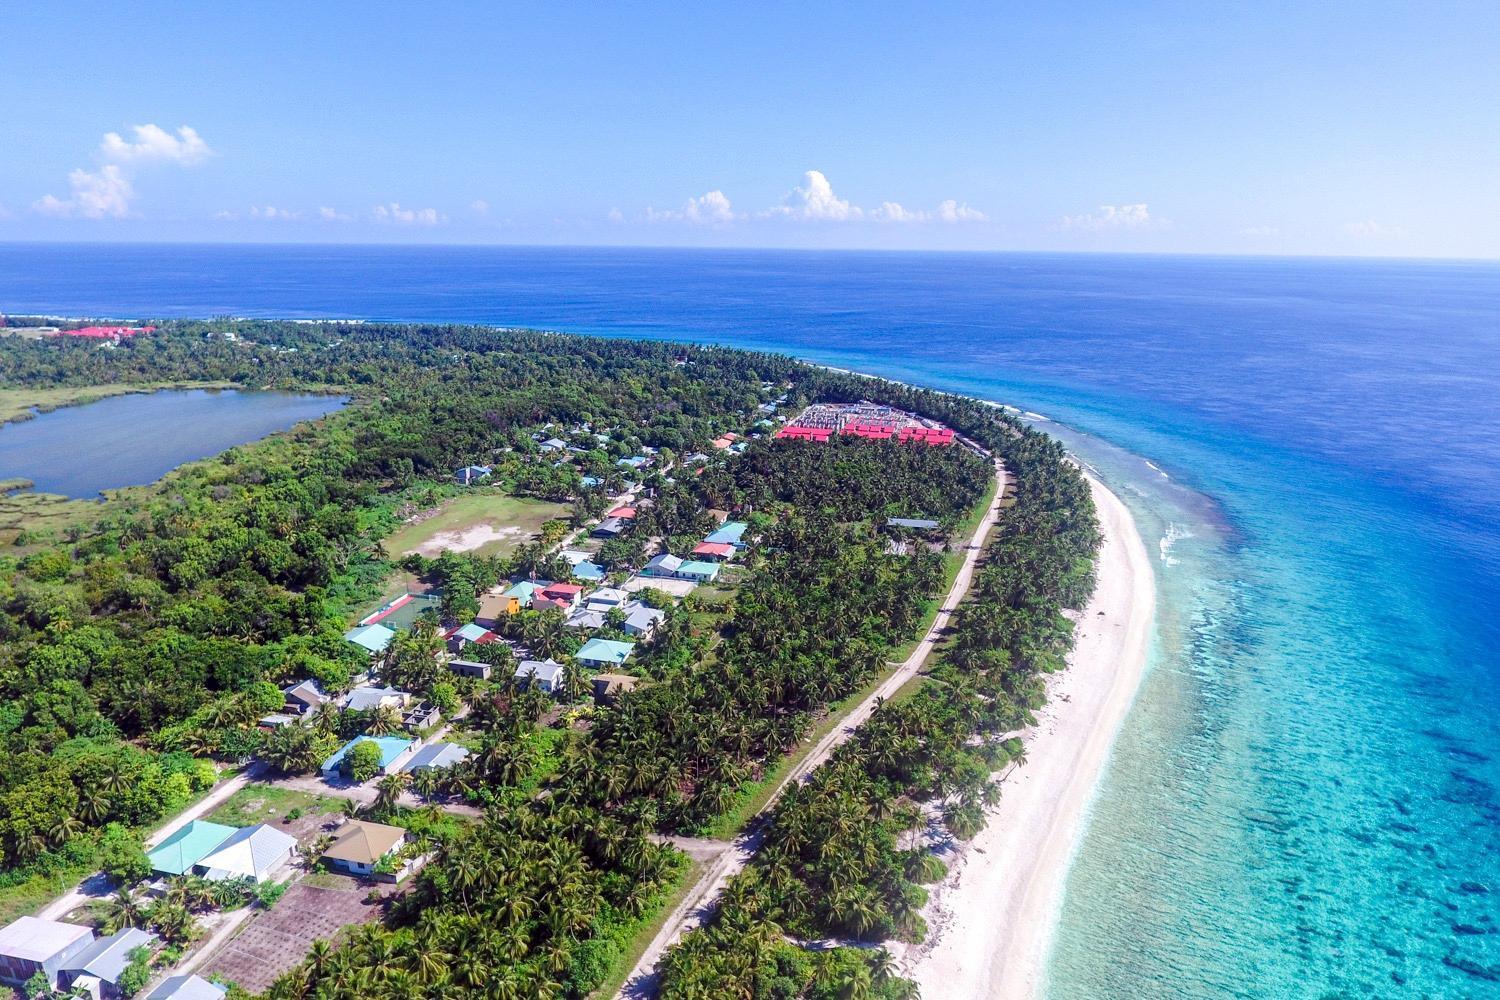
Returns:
(1367, 128)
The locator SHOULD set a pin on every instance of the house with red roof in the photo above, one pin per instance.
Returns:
(564, 596)
(714, 551)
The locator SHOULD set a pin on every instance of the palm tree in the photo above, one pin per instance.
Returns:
(123, 911)
(385, 721)
(388, 791)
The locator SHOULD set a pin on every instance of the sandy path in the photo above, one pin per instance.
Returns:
(992, 919)
(701, 899)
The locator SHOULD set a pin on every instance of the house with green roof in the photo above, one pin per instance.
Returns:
(186, 847)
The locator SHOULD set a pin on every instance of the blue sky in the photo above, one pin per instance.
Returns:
(1362, 128)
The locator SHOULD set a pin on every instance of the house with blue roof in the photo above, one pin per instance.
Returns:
(186, 847)
(394, 752)
(604, 653)
(589, 571)
(731, 532)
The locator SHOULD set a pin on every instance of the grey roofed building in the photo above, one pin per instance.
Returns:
(605, 598)
(106, 958)
(304, 697)
(547, 674)
(914, 523)
(470, 668)
(368, 699)
(642, 619)
(436, 755)
(609, 527)
(585, 618)
(187, 988)
(29, 945)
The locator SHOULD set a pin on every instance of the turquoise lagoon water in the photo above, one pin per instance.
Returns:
(1305, 799)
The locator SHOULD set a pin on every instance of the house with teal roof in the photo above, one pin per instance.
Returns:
(604, 653)
(186, 847)
(394, 751)
(731, 532)
(371, 638)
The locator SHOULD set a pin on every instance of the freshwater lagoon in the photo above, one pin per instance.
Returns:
(79, 451)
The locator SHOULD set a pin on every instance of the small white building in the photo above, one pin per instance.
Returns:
(546, 674)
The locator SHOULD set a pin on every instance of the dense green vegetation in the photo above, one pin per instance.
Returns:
(134, 646)
(845, 855)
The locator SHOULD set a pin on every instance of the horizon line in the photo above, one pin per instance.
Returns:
(754, 248)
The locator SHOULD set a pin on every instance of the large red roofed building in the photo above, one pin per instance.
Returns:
(105, 332)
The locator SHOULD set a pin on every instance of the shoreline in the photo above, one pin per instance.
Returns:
(992, 919)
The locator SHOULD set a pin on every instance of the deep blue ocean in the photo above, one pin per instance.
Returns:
(1305, 799)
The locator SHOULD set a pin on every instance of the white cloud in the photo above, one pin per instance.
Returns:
(1110, 217)
(408, 216)
(152, 142)
(616, 216)
(1372, 230)
(479, 207)
(332, 215)
(103, 194)
(710, 209)
(274, 214)
(225, 215)
(953, 211)
(815, 201)
(890, 211)
(1260, 232)
(106, 193)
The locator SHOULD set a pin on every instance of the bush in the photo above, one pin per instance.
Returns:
(362, 762)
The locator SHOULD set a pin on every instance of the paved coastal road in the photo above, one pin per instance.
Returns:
(699, 903)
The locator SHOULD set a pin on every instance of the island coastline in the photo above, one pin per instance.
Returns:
(991, 921)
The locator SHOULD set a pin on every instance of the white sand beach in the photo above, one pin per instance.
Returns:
(990, 922)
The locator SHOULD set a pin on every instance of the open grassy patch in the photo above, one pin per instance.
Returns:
(270, 803)
(486, 523)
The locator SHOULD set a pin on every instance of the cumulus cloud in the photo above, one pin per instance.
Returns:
(102, 194)
(616, 216)
(1372, 230)
(107, 193)
(1112, 217)
(890, 211)
(479, 207)
(274, 214)
(394, 213)
(953, 211)
(154, 143)
(711, 209)
(332, 215)
(814, 200)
